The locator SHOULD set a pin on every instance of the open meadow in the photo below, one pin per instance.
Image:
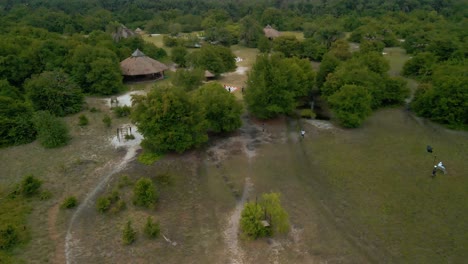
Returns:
(362, 195)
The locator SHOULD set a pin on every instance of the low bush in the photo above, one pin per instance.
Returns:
(9, 237)
(148, 158)
(69, 203)
(103, 204)
(29, 186)
(122, 111)
(144, 193)
(152, 229)
(128, 234)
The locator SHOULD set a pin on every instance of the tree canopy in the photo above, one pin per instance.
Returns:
(169, 120)
(221, 109)
(54, 92)
(275, 83)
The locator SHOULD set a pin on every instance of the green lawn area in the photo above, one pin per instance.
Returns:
(378, 179)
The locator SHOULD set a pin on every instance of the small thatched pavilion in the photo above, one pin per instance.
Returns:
(140, 67)
(139, 31)
(271, 33)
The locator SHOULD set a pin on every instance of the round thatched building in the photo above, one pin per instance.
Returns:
(140, 67)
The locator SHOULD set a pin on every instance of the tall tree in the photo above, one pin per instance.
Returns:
(54, 92)
(275, 83)
(169, 120)
(351, 105)
(221, 109)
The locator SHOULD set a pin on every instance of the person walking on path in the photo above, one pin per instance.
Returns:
(302, 133)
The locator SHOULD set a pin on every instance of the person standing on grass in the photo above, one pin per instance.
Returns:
(302, 133)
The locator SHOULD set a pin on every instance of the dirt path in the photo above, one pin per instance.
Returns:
(72, 245)
(232, 231)
(250, 138)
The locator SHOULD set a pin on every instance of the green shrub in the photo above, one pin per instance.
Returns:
(268, 209)
(9, 236)
(251, 221)
(83, 120)
(103, 204)
(29, 186)
(148, 158)
(144, 193)
(69, 203)
(151, 229)
(52, 131)
(307, 113)
(128, 234)
(122, 111)
(107, 120)
(93, 110)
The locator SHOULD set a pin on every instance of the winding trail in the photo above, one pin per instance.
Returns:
(72, 244)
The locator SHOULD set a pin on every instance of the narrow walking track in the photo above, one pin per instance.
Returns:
(72, 246)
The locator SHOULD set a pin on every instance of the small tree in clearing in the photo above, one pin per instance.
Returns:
(268, 209)
(144, 193)
(128, 234)
(152, 228)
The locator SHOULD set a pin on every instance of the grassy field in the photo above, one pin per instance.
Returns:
(378, 177)
(354, 196)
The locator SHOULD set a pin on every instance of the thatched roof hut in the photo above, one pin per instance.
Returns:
(139, 66)
(139, 31)
(270, 32)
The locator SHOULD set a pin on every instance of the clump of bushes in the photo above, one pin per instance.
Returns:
(28, 187)
(110, 202)
(122, 111)
(144, 193)
(148, 158)
(152, 229)
(9, 236)
(69, 203)
(128, 234)
(264, 218)
(52, 132)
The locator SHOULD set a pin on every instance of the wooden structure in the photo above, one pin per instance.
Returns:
(140, 67)
(209, 75)
(123, 132)
(271, 33)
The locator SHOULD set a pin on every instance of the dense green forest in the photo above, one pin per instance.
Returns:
(69, 44)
